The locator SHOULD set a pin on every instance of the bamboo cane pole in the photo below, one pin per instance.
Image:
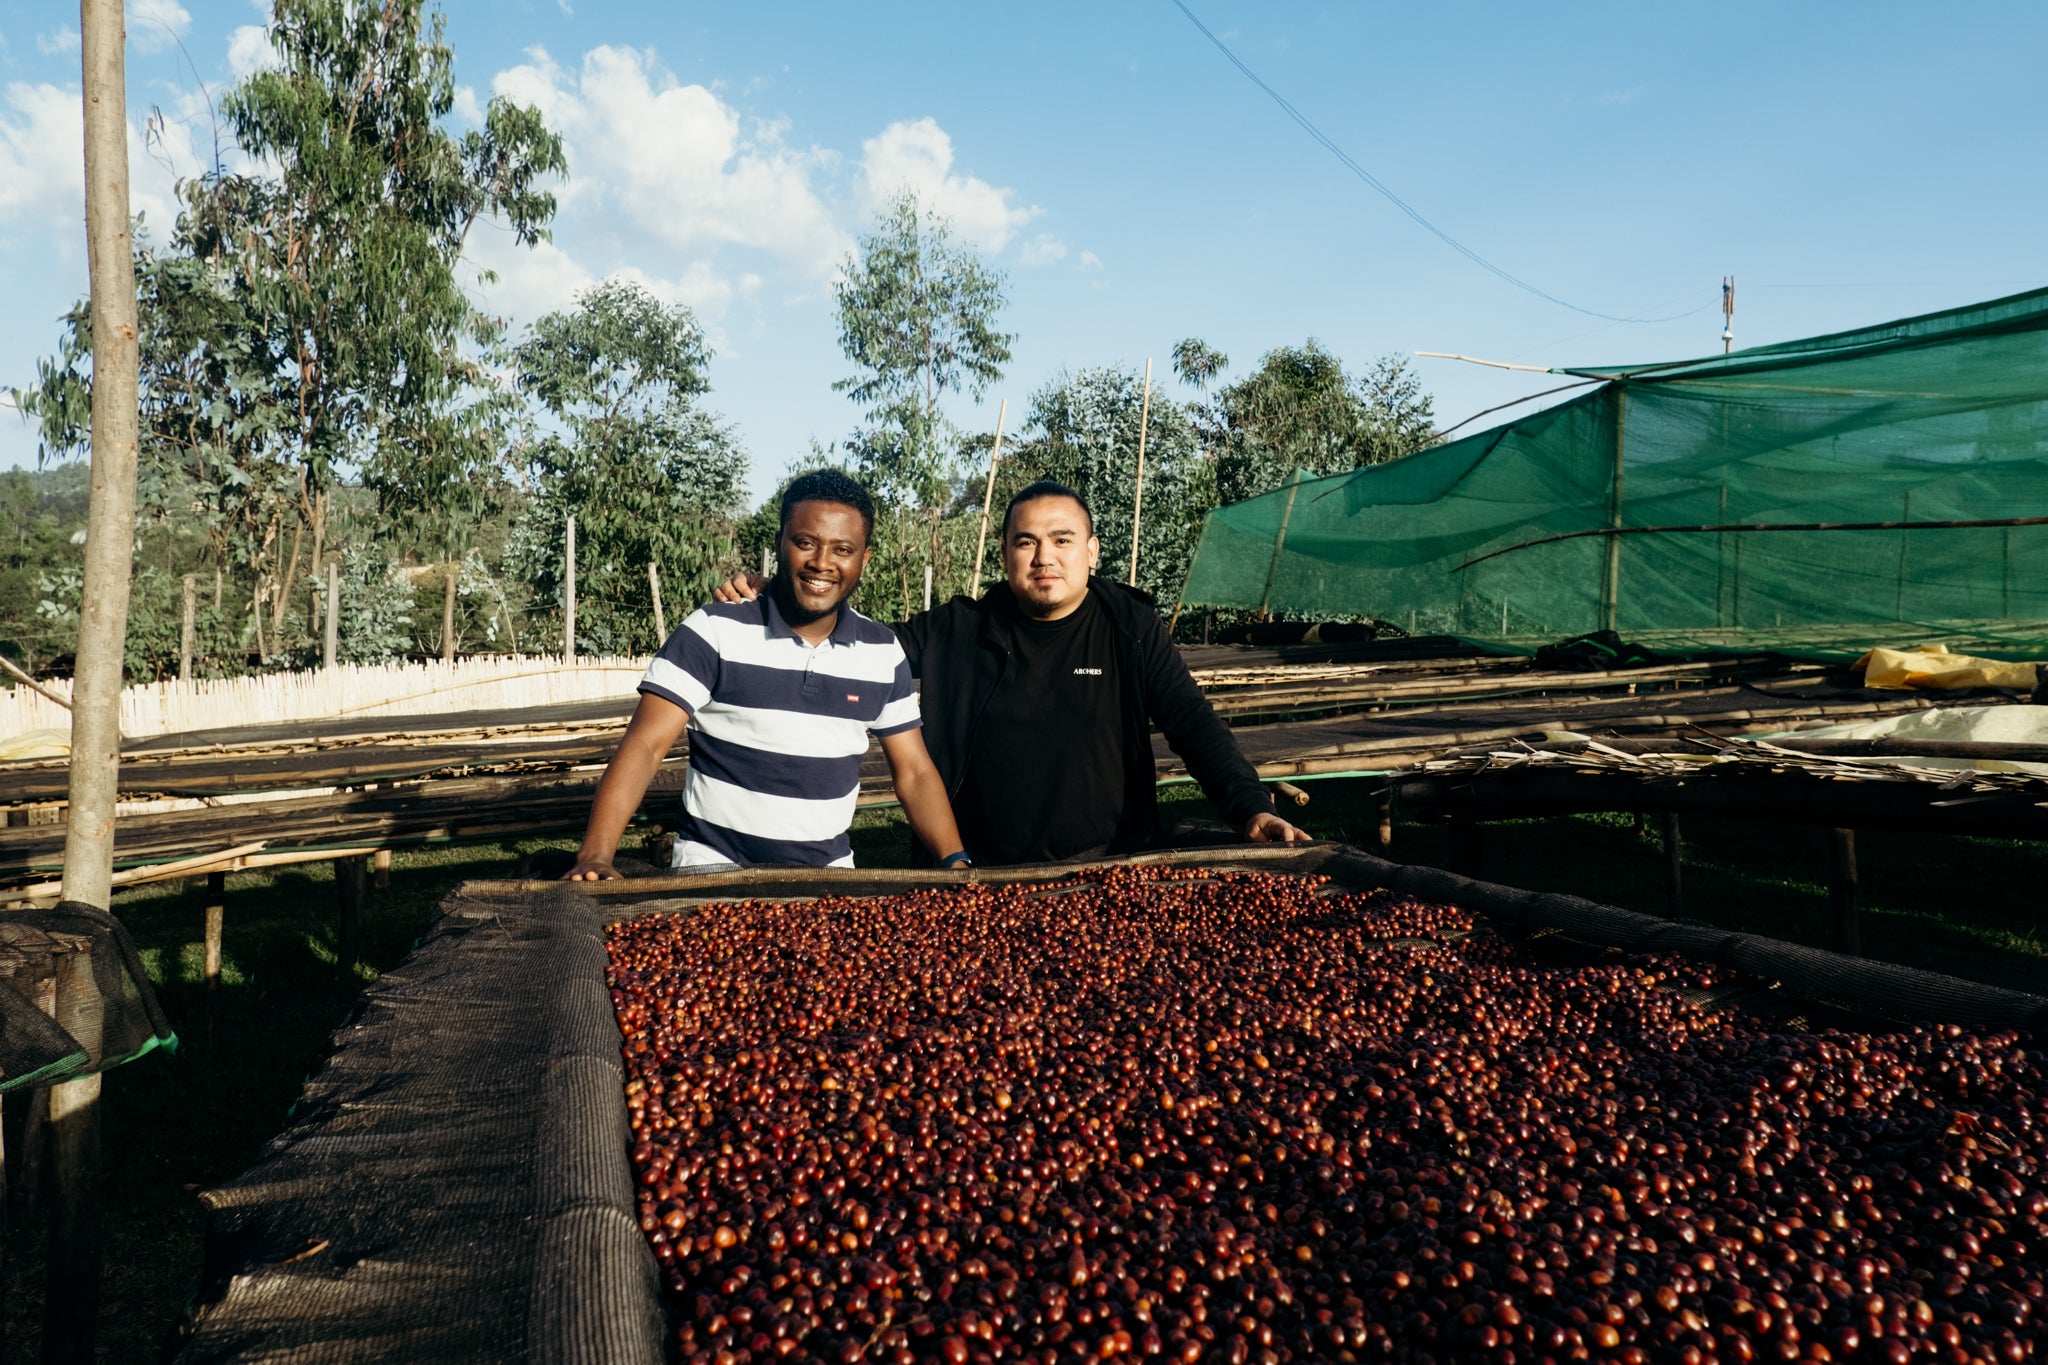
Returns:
(988, 494)
(1138, 493)
(660, 621)
(569, 593)
(189, 629)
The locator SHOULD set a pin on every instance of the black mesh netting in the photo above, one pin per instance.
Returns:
(73, 996)
(454, 1184)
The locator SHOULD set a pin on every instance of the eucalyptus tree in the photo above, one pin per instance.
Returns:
(650, 476)
(308, 312)
(344, 239)
(918, 318)
(1300, 410)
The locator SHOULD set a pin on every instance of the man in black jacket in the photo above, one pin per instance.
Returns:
(1040, 697)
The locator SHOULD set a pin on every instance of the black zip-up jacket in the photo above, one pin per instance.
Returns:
(961, 650)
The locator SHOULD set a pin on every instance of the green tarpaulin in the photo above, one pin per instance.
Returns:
(1713, 472)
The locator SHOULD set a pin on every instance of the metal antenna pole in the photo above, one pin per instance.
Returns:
(1727, 313)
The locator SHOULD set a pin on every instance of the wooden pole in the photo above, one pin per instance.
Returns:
(569, 593)
(660, 621)
(349, 888)
(448, 619)
(1386, 814)
(110, 515)
(1846, 927)
(215, 923)
(988, 494)
(1610, 578)
(330, 645)
(927, 587)
(1279, 542)
(190, 629)
(380, 869)
(1138, 492)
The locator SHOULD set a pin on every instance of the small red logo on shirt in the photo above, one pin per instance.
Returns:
(853, 696)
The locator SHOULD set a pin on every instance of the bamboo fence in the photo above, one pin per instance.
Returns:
(436, 687)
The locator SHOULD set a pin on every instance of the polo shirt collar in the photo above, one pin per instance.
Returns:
(771, 617)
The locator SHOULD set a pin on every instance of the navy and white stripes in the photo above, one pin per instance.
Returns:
(778, 730)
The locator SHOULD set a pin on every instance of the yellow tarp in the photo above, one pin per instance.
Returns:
(35, 744)
(1932, 667)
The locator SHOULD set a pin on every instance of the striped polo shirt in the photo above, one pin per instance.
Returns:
(778, 729)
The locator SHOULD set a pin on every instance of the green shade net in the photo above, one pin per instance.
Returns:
(1927, 421)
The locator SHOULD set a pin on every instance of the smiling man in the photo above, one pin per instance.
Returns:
(781, 695)
(1040, 697)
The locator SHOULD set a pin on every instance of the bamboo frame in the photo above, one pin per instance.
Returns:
(988, 494)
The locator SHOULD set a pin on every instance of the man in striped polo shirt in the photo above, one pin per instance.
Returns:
(781, 695)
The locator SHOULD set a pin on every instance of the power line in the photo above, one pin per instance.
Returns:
(1396, 200)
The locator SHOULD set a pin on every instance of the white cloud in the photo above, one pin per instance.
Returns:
(156, 24)
(1044, 249)
(672, 164)
(468, 109)
(565, 7)
(1089, 261)
(249, 50)
(918, 155)
(1627, 96)
(57, 43)
(41, 136)
(42, 173)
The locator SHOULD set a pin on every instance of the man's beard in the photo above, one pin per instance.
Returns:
(783, 589)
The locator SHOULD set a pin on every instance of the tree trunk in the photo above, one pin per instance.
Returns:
(110, 517)
(284, 584)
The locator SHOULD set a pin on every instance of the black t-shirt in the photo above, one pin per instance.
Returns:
(1046, 778)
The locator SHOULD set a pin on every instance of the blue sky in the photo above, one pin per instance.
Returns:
(1847, 163)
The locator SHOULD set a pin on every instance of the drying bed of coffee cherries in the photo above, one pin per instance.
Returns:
(1243, 1117)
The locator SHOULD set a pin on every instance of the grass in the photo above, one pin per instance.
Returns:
(179, 1123)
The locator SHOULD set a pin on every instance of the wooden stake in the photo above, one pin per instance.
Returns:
(1386, 830)
(988, 494)
(190, 630)
(330, 647)
(380, 869)
(448, 620)
(927, 587)
(569, 593)
(1846, 926)
(660, 621)
(349, 895)
(1138, 492)
(110, 513)
(215, 922)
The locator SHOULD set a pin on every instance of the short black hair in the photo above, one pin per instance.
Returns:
(828, 485)
(1047, 488)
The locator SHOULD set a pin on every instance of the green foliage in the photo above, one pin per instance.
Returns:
(39, 515)
(1299, 410)
(649, 477)
(917, 317)
(374, 625)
